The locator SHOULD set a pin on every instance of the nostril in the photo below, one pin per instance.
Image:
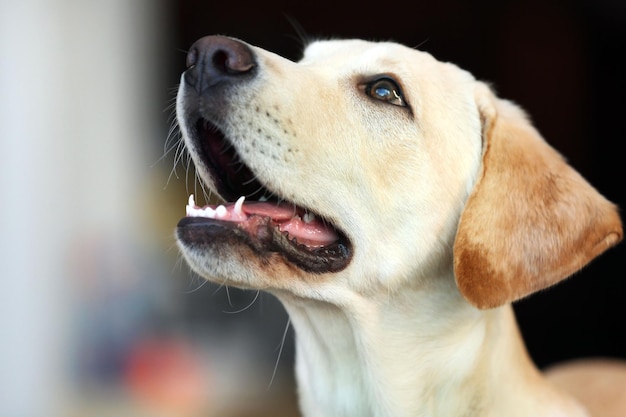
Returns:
(220, 62)
(232, 61)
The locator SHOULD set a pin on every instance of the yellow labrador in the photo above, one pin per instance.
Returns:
(396, 207)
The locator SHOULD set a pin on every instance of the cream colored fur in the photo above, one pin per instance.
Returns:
(450, 220)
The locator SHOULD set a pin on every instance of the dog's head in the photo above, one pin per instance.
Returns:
(369, 166)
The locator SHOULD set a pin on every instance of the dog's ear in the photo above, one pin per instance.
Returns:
(531, 219)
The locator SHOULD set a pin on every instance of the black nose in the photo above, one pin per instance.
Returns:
(216, 59)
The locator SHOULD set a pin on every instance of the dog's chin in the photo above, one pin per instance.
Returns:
(271, 228)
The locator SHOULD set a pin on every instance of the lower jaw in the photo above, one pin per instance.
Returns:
(266, 238)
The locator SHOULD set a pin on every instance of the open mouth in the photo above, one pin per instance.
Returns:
(255, 215)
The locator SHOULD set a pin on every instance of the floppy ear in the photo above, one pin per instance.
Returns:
(531, 219)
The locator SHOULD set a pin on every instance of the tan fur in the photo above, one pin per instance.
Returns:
(531, 220)
(598, 383)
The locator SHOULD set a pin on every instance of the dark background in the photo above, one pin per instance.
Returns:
(561, 61)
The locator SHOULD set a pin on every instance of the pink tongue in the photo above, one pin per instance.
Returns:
(273, 210)
(314, 233)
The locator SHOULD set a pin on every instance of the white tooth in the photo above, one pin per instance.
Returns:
(190, 206)
(308, 217)
(263, 198)
(239, 205)
(221, 212)
(207, 212)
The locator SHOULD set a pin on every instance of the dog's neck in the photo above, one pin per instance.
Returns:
(419, 352)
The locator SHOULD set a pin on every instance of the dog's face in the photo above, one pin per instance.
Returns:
(356, 164)
(370, 148)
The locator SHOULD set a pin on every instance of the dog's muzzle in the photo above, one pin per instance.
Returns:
(218, 69)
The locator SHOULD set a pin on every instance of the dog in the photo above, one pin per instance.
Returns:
(396, 207)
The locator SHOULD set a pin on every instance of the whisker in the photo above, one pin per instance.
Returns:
(180, 152)
(419, 45)
(196, 181)
(219, 287)
(280, 351)
(226, 147)
(188, 166)
(172, 141)
(174, 131)
(302, 37)
(205, 193)
(250, 181)
(239, 168)
(202, 284)
(194, 277)
(246, 307)
(230, 302)
(261, 191)
(175, 143)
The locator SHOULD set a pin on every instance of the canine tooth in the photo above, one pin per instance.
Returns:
(191, 204)
(221, 212)
(308, 217)
(239, 205)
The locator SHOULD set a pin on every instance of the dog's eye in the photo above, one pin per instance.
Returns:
(387, 90)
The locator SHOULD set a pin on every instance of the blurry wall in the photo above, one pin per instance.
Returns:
(78, 90)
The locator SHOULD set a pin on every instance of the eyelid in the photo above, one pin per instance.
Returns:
(368, 84)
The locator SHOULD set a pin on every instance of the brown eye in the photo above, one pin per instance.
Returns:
(387, 90)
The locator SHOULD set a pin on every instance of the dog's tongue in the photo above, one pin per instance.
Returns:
(307, 230)
(278, 212)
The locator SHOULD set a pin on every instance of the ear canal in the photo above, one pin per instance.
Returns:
(531, 219)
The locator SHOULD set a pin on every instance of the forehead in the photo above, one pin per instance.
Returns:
(359, 53)
(363, 57)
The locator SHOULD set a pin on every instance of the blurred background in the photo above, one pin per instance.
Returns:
(99, 316)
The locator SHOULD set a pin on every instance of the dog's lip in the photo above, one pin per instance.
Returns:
(261, 235)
